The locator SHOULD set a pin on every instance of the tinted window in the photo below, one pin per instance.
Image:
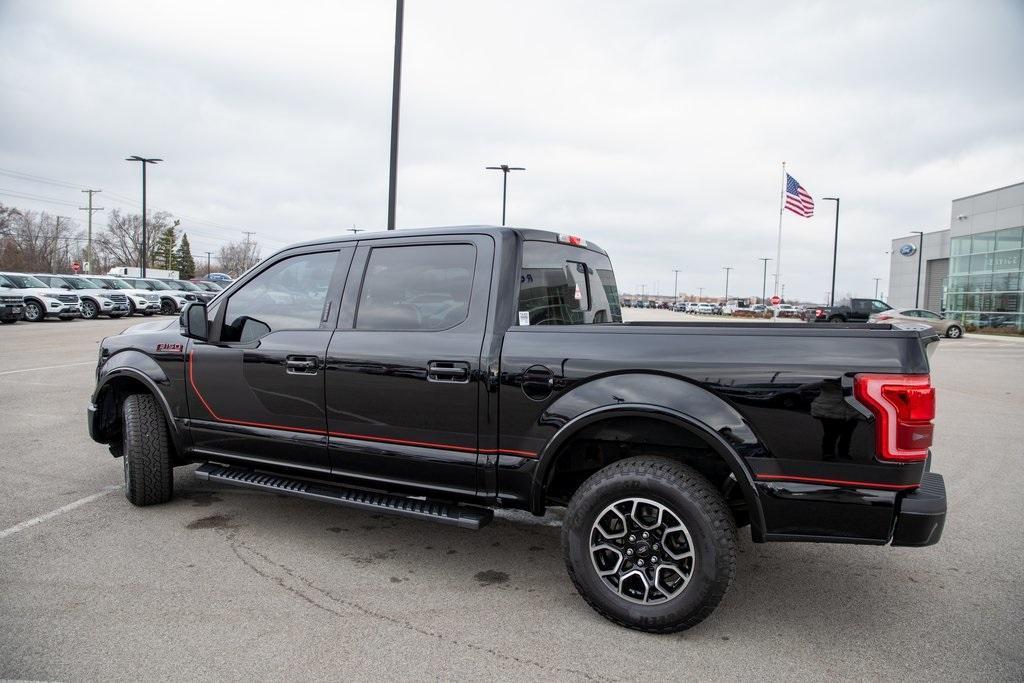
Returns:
(288, 295)
(878, 306)
(565, 285)
(416, 287)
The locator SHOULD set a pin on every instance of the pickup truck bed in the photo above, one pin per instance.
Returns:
(439, 374)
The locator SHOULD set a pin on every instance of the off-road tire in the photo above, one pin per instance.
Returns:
(146, 448)
(694, 501)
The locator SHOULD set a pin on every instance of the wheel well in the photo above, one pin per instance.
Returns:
(108, 408)
(616, 438)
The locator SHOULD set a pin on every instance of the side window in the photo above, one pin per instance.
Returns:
(416, 287)
(565, 285)
(288, 295)
(878, 307)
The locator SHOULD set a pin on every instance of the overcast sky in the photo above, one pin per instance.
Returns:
(656, 130)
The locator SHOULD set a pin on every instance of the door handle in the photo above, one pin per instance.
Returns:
(301, 365)
(448, 371)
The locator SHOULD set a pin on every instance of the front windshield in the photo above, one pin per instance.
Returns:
(26, 281)
(112, 283)
(210, 286)
(157, 284)
(187, 286)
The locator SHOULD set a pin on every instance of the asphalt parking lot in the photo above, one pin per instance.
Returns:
(229, 584)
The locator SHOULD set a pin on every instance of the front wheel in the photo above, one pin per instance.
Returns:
(650, 544)
(146, 446)
(89, 310)
(34, 312)
(955, 332)
(167, 307)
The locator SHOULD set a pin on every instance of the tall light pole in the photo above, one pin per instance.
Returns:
(764, 278)
(700, 294)
(920, 248)
(643, 292)
(396, 92)
(88, 243)
(145, 162)
(835, 251)
(675, 288)
(726, 269)
(876, 286)
(504, 168)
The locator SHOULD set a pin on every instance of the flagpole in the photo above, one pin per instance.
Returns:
(778, 248)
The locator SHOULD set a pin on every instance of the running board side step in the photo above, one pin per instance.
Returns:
(464, 516)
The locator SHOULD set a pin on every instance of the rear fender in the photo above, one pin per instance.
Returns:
(666, 398)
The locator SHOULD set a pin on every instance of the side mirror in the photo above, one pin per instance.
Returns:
(193, 323)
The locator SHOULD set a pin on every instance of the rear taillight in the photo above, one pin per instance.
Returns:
(904, 407)
(818, 312)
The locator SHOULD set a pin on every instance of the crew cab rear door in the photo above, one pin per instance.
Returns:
(404, 378)
(256, 388)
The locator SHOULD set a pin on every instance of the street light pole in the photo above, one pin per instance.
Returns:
(144, 161)
(764, 278)
(876, 286)
(396, 92)
(675, 288)
(920, 248)
(700, 294)
(726, 269)
(504, 168)
(835, 251)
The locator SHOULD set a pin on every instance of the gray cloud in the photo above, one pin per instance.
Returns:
(654, 129)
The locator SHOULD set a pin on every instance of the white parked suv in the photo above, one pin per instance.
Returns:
(95, 300)
(171, 299)
(139, 300)
(41, 300)
(705, 308)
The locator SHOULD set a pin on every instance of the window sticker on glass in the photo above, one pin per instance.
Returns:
(524, 317)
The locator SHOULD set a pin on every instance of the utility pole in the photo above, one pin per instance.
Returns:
(208, 266)
(700, 295)
(835, 250)
(726, 269)
(504, 168)
(675, 289)
(764, 278)
(876, 286)
(396, 92)
(355, 231)
(920, 248)
(643, 292)
(88, 244)
(144, 161)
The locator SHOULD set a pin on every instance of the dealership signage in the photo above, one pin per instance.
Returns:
(908, 250)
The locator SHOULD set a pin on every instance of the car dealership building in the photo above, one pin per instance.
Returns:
(971, 271)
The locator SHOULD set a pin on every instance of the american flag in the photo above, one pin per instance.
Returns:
(797, 198)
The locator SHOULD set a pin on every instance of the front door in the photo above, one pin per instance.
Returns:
(256, 389)
(404, 381)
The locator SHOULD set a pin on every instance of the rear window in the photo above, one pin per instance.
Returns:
(566, 285)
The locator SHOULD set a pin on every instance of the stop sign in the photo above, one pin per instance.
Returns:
(776, 300)
(76, 266)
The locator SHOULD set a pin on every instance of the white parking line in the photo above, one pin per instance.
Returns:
(48, 367)
(53, 513)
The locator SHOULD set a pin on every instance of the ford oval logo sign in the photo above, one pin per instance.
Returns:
(908, 250)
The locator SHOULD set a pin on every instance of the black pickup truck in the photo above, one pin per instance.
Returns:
(440, 374)
(849, 311)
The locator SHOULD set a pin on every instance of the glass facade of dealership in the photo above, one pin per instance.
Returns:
(986, 279)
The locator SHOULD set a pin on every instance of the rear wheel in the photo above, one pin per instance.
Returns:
(167, 307)
(89, 310)
(34, 312)
(836, 319)
(955, 332)
(650, 544)
(146, 446)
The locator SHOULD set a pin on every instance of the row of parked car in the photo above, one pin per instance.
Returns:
(35, 297)
(708, 308)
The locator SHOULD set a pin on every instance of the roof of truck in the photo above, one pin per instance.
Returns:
(524, 233)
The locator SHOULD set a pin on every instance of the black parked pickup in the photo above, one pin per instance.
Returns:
(440, 374)
(849, 311)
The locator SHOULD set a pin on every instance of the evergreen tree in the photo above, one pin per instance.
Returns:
(165, 248)
(186, 264)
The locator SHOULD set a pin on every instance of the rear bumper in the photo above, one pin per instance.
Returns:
(922, 513)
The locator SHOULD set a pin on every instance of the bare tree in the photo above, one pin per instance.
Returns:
(237, 257)
(120, 243)
(32, 241)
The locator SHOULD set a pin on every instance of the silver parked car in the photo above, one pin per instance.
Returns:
(948, 328)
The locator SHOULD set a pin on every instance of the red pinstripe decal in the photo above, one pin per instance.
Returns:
(836, 482)
(346, 435)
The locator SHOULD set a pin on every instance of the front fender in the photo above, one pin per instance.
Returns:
(138, 367)
(660, 396)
